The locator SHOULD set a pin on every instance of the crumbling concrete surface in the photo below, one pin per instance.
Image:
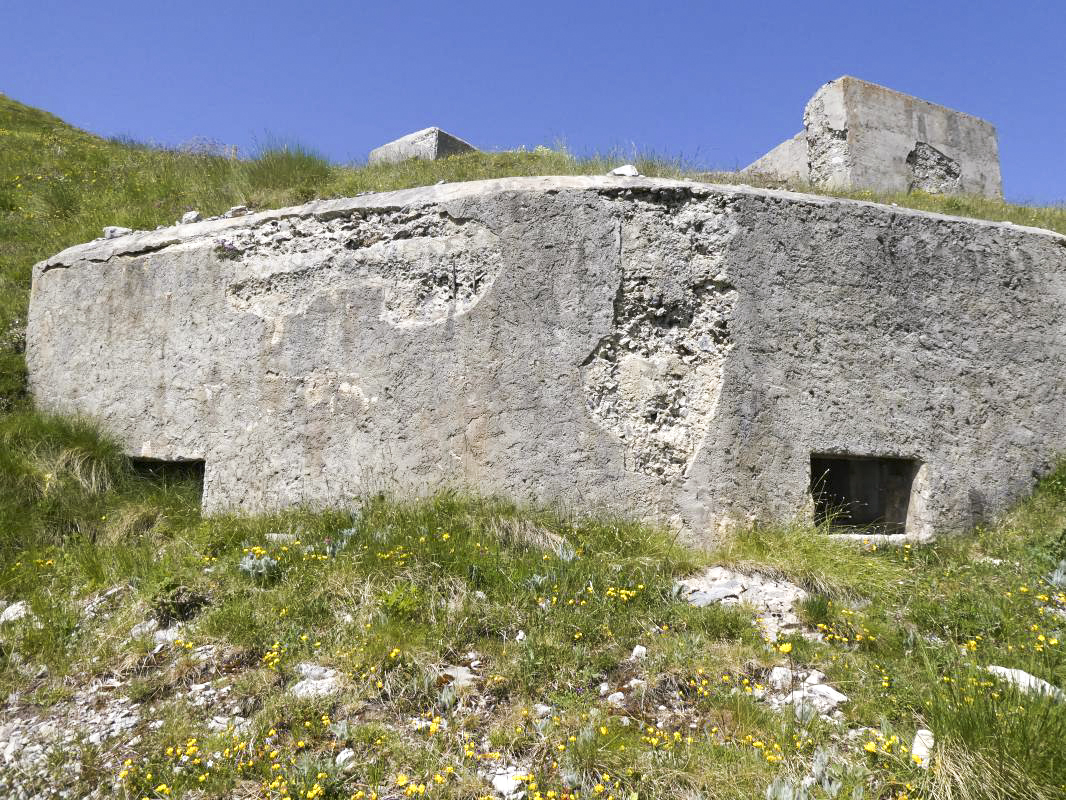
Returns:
(673, 350)
(428, 144)
(858, 135)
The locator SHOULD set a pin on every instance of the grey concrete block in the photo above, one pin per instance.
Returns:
(428, 144)
(672, 350)
(864, 136)
(858, 135)
(786, 162)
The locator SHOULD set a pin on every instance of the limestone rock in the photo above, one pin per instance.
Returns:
(774, 601)
(428, 144)
(189, 217)
(460, 677)
(15, 612)
(315, 681)
(625, 171)
(922, 747)
(1025, 682)
(115, 231)
(145, 628)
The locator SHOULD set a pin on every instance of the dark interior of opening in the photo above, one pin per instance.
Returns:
(172, 474)
(862, 491)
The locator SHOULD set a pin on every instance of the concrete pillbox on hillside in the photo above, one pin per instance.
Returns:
(705, 356)
(858, 135)
(428, 144)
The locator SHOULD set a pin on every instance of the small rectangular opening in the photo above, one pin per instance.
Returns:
(172, 474)
(862, 491)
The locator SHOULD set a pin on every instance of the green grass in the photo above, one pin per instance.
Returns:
(390, 591)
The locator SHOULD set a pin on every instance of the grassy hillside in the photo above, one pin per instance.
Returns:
(469, 637)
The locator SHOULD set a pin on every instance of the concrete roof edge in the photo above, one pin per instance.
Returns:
(140, 242)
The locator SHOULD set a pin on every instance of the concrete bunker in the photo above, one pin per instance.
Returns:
(870, 492)
(673, 350)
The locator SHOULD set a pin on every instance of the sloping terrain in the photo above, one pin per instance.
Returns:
(462, 647)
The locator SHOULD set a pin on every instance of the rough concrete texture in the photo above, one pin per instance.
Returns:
(428, 144)
(786, 162)
(863, 136)
(673, 350)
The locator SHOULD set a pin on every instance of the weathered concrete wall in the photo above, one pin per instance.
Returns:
(670, 349)
(864, 136)
(858, 135)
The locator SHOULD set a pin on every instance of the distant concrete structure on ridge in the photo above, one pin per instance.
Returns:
(428, 144)
(858, 135)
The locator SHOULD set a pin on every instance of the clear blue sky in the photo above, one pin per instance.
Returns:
(715, 83)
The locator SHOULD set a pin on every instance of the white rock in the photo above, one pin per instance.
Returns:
(461, 677)
(507, 784)
(189, 217)
(616, 699)
(639, 653)
(345, 759)
(15, 612)
(822, 697)
(814, 677)
(605, 689)
(115, 231)
(167, 635)
(316, 681)
(780, 678)
(143, 628)
(540, 710)
(921, 747)
(1026, 682)
(625, 171)
(520, 636)
(280, 538)
(236, 211)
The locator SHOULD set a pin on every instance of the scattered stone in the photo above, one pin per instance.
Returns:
(15, 612)
(605, 689)
(625, 171)
(821, 696)
(167, 635)
(145, 628)
(114, 232)
(520, 636)
(616, 699)
(640, 652)
(508, 783)
(775, 601)
(540, 710)
(97, 602)
(922, 747)
(428, 144)
(780, 678)
(236, 211)
(345, 759)
(189, 217)
(1030, 684)
(281, 538)
(316, 681)
(459, 677)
